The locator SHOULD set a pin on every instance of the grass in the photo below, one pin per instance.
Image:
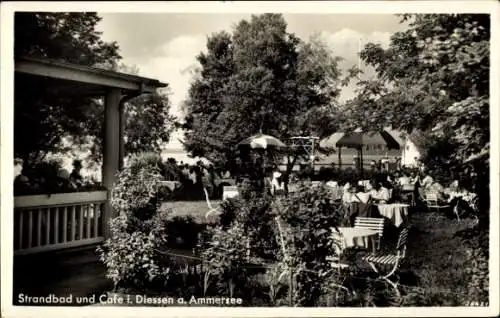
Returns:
(196, 209)
(437, 258)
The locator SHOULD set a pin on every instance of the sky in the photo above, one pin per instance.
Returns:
(164, 45)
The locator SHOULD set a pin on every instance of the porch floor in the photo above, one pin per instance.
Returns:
(76, 272)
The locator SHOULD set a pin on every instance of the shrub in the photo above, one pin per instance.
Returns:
(135, 192)
(229, 209)
(326, 173)
(138, 232)
(225, 253)
(240, 241)
(252, 209)
(131, 256)
(309, 214)
(477, 242)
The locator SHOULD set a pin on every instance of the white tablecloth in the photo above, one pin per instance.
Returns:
(354, 237)
(397, 212)
(229, 193)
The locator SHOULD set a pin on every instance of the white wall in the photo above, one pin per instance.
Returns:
(410, 154)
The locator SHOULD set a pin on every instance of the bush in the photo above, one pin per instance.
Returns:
(136, 191)
(477, 242)
(242, 239)
(131, 257)
(252, 209)
(309, 214)
(225, 252)
(138, 232)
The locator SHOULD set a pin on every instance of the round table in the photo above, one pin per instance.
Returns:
(397, 213)
(354, 237)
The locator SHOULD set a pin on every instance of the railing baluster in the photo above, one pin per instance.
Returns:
(73, 221)
(65, 225)
(39, 228)
(97, 208)
(20, 244)
(56, 226)
(47, 227)
(30, 228)
(89, 209)
(80, 225)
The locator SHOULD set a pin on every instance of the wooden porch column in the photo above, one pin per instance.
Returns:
(122, 134)
(111, 154)
(340, 157)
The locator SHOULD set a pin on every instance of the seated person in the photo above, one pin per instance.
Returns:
(404, 179)
(360, 195)
(427, 180)
(414, 178)
(454, 186)
(379, 193)
(348, 193)
(438, 189)
(393, 178)
(347, 186)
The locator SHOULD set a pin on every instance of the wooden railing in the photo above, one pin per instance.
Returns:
(46, 223)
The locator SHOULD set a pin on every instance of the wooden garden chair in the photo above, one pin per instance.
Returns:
(432, 202)
(376, 224)
(389, 260)
(336, 264)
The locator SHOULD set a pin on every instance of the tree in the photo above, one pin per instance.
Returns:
(148, 121)
(42, 121)
(263, 79)
(68, 36)
(434, 79)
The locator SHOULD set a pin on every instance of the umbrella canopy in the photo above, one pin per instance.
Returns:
(331, 141)
(261, 141)
(359, 139)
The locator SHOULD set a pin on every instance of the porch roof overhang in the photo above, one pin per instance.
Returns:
(81, 80)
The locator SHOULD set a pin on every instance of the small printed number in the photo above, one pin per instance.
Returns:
(478, 304)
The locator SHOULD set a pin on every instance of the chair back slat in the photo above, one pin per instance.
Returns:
(376, 224)
(403, 239)
(337, 241)
(431, 196)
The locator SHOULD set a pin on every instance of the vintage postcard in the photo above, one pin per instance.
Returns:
(332, 158)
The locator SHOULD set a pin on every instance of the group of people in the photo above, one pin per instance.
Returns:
(402, 185)
(373, 191)
(47, 178)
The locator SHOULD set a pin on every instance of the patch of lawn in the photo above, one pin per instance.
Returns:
(196, 209)
(437, 259)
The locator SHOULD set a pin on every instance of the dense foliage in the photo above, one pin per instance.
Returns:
(46, 115)
(433, 80)
(308, 216)
(259, 78)
(138, 231)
